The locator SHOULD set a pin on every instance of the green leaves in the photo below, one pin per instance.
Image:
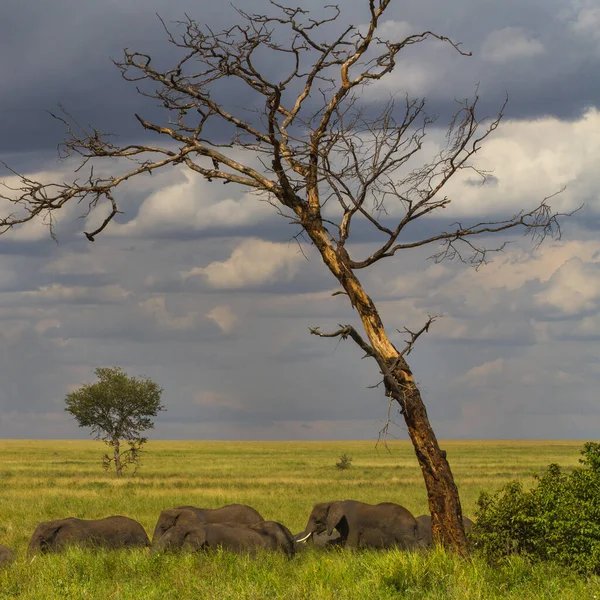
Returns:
(557, 520)
(117, 407)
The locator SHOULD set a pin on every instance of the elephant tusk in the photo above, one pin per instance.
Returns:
(305, 538)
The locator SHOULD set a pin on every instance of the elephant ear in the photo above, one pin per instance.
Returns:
(194, 539)
(334, 515)
(170, 519)
(49, 537)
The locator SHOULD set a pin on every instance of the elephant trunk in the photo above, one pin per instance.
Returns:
(34, 547)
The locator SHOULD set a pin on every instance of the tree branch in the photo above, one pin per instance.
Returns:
(345, 332)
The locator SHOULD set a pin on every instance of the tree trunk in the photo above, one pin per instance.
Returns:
(442, 493)
(117, 455)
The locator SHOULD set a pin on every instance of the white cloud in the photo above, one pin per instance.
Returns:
(532, 160)
(156, 307)
(513, 268)
(482, 375)
(76, 264)
(394, 31)
(224, 317)
(44, 324)
(57, 292)
(194, 205)
(509, 44)
(38, 228)
(254, 262)
(505, 375)
(574, 288)
(505, 301)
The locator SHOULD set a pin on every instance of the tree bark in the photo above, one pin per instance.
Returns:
(442, 493)
(117, 455)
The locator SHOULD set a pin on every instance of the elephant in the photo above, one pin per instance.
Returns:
(235, 537)
(111, 532)
(232, 513)
(7, 556)
(363, 525)
(424, 532)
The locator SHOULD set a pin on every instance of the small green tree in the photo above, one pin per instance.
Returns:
(344, 463)
(117, 409)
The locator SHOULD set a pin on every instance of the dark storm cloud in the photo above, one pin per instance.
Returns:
(60, 52)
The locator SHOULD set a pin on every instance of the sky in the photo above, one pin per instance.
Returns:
(203, 289)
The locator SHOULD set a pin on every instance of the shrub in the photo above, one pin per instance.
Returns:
(345, 462)
(557, 520)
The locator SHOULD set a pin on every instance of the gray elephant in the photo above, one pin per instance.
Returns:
(111, 532)
(7, 556)
(424, 532)
(363, 525)
(232, 513)
(235, 537)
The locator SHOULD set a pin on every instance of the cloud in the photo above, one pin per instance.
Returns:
(504, 302)
(531, 160)
(253, 263)
(57, 292)
(224, 317)
(510, 44)
(76, 264)
(583, 18)
(513, 268)
(194, 204)
(156, 308)
(482, 375)
(37, 229)
(394, 31)
(573, 289)
(44, 325)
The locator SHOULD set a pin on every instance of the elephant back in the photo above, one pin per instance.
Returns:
(110, 532)
(231, 513)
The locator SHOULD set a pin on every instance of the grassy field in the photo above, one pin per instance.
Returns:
(44, 480)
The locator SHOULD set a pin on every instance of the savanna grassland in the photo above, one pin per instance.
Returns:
(45, 480)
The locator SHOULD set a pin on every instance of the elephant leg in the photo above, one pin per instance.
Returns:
(353, 539)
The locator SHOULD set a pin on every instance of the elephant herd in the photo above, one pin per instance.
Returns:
(240, 528)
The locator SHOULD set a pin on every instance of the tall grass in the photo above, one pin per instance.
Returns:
(44, 480)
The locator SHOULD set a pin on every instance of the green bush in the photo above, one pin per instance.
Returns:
(344, 463)
(557, 520)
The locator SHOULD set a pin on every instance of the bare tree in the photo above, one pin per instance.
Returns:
(320, 148)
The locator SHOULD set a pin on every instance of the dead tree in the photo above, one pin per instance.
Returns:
(300, 78)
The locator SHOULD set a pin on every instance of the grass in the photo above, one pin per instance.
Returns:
(44, 480)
